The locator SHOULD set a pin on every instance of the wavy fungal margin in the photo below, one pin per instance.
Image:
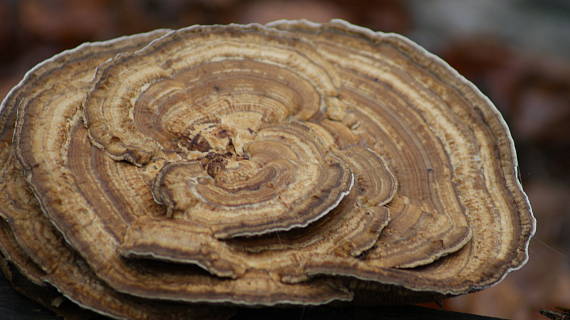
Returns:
(289, 163)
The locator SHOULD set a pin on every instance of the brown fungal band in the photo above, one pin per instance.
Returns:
(289, 163)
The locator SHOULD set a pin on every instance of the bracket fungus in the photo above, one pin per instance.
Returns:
(292, 163)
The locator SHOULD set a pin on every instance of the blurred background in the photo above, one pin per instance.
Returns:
(516, 51)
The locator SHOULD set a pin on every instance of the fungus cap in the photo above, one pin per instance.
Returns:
(288, 163)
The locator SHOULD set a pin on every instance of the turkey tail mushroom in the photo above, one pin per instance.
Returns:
(256, 165)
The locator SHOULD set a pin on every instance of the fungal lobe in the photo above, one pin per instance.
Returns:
(289, 163)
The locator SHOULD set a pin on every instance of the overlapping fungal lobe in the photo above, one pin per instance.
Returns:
(451, 153)
(293, 163)
(284, 179)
